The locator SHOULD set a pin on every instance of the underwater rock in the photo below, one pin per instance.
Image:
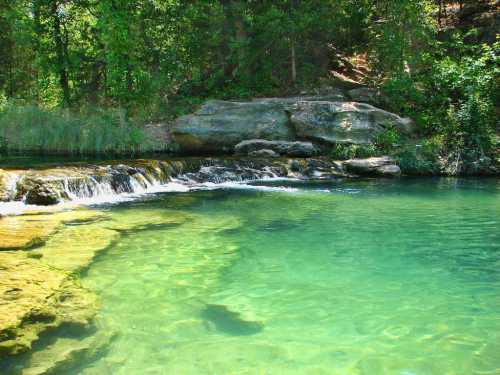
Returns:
(73, 248)
(295, 149)
(379, 166)
(66, 353)
(33, 229)
(36, 297)
(230, 322)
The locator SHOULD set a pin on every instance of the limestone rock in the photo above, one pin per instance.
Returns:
(33, 229)
(219, 125)
(378, 166)
(74, 248)
(158, 135)
(364, 95)
(264, 153)
(344, 122)
(44, 194)
(284, 148)
(65, 353)
(34, 298)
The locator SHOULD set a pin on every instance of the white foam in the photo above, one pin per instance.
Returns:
(104, 194)
(244, 186)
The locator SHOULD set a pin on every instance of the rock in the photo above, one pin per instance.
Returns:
(389, 170)
(36, 297)
(344, 122)
(73, 248)
(365, 95)
(230, 322)
(219, 125)
(238, 172)
(158, 136)
(44, 194)
(65, 354)
(284, 148)
(264, 153)
(378, 166)
(31, 230)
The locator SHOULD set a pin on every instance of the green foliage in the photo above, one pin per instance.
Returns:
(453, 97)
(342, 151)
(387, 140)
(421, 159)
(158, 59)
(27, 128)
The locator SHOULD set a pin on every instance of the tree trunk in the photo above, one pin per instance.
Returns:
(235, 25)
(61, 60)
(293, 4)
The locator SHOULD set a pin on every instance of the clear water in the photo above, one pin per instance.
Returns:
(366, 277)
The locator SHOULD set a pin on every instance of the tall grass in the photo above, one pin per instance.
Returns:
(30, 129)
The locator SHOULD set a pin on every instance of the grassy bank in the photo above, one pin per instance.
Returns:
(31, 129)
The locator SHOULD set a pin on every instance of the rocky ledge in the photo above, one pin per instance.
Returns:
(36, 297)
(218, 126)
(55, 185)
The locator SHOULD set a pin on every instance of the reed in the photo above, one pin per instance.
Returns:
(94, 131)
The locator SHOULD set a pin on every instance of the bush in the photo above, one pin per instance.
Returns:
(455, 98)
(422, 158)
(27, 128)
(341, 151)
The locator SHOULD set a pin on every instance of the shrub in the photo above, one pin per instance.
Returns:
(341, 151)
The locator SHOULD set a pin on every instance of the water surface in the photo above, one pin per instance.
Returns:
(373, 277)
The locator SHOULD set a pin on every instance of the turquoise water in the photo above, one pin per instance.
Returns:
(369, 277)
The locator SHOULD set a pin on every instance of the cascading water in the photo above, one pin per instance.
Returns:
(118, 182)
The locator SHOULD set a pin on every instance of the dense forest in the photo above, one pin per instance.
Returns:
(106, 68)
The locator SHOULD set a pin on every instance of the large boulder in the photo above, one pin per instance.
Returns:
(284, 148)
(344, 122)
(219, 125)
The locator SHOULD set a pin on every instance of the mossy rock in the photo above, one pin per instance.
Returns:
(36, 297)
(73, 248)
(33, 229)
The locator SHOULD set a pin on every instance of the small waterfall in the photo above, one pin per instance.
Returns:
(118, 182)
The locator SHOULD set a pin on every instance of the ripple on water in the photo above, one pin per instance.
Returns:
(371, 278)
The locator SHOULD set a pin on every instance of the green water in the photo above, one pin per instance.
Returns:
(368, 277)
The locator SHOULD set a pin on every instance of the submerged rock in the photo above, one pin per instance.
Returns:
(344, 122)
(66, 353)
(33, 229)
(36, 297)
(230, 322)
(284, 148)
